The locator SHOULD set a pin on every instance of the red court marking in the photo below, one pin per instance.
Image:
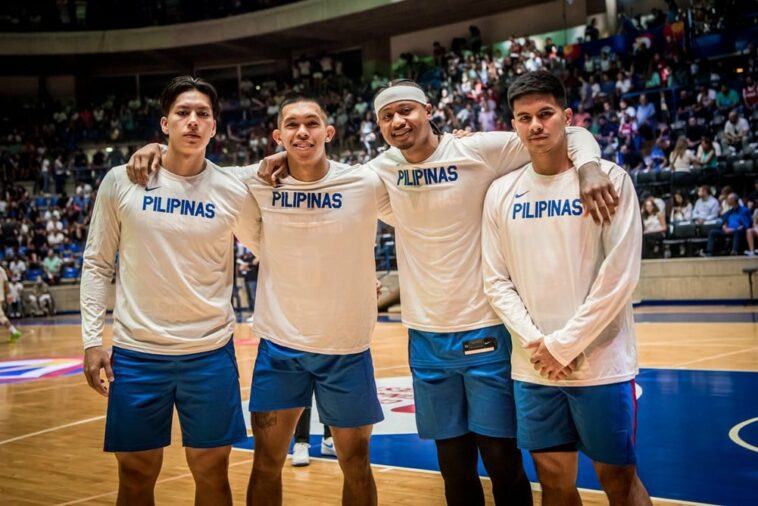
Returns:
(405, 409)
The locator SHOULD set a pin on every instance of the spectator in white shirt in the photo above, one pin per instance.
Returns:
(707, 207)
(681, 158)
(736, 130)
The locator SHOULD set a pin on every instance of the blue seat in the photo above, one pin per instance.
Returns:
(70, 273)
(33, 274)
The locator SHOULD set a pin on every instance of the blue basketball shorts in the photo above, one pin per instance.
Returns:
(344, 385)
(600, 420)
(462, 383)
(204, 387)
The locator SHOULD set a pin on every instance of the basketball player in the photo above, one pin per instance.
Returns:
(317, 306)
(464, 397)
(316, 302)
(173, 320)
(563, 286)
(459, 350)
(4, 321)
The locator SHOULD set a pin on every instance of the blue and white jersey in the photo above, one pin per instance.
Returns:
(175, 245)
(552, 273)
(316, 283)
(438, 208)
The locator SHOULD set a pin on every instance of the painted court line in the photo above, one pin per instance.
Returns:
(535, 486)
(166, 480)
(734, 435)
(384, 469)
(52, 429)
(711, 357)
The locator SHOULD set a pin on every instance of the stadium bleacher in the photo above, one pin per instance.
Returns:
(52, 158)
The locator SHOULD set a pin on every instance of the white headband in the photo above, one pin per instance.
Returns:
(398, 93)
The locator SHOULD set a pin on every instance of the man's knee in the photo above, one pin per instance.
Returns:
(268, 459)
(616, 480)
(355, 459)
(139, 468)
(209, 465)
(353, 451)
(556, 471)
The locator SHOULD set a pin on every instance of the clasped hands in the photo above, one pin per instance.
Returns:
(545, 364)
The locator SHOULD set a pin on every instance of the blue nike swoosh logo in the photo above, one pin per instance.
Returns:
(151, 189)
(519, 195)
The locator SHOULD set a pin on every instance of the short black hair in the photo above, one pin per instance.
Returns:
(538, 82)
(180, 84)
(295, 97)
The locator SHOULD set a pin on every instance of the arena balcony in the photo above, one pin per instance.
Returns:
(269, 34)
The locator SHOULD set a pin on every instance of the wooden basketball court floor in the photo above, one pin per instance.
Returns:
(51, 422)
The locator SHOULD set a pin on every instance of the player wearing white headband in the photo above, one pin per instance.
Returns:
(459, 350)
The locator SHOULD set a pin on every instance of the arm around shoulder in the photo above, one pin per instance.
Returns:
(249, 224)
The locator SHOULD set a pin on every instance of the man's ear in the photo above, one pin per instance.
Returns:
(277, 136)
(164, 125)
(569, 115)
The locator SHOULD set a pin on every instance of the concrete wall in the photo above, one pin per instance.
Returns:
(695, 279)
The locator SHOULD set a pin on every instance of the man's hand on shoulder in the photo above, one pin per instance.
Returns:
(462, 134)
(598, 194)
(144, 162)
(274, 168)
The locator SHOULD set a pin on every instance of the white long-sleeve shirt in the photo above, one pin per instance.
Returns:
(438, 207)
(316, 283)
(551, 273)
(175, 243)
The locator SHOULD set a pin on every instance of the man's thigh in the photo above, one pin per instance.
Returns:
(208, 399)
(140, 403)
(279, 379)
(491, 408)
(606, 419)
(544, 417)
(346, 394)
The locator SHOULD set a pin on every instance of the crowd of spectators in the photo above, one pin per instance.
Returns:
(657, 111)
